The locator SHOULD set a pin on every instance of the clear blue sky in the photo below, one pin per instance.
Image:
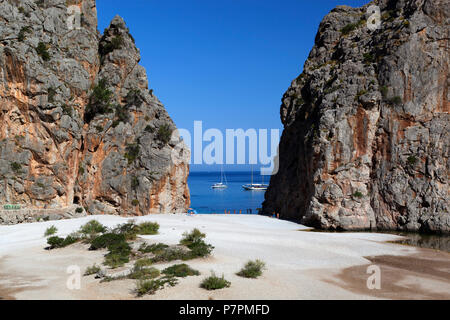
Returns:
(225, 62)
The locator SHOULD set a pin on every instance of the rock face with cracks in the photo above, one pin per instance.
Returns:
(79, 125)
(366, 125)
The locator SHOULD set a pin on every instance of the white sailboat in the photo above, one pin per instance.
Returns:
(221, 184)
(255, 186)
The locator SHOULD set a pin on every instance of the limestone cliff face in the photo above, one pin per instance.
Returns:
(366, 138)
(79, 125)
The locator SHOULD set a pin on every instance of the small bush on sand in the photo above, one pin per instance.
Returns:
(129, 230)
(92, 270)
(106, 240)
(58, 242)
(148, 228)
(144, 287)
(192, 237)
(141, 273)
(119, 254)
(50, 231)
(116, 259)
(92, 228)
(145, 262)
(55, 242)
(180, 270)
(199, 250)
(213, 282)
(153, 248)
(194, 241)
(252, 269)
(165, 255)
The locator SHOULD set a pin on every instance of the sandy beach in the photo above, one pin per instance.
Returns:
(300, 264)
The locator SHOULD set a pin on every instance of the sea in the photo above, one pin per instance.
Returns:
(204, 199)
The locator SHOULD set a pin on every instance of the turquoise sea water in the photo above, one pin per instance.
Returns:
(204, 199)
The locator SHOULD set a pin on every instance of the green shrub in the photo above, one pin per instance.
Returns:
(170, 254)
(132, 152)
(149, 129)
(153, 248)
(199, 250)
(194, 241)
(92, 270)
(145, 262)
(144, 287)
(180, 270)
(134, 182)
(358, 194)
(148, 228)
(135, 202)
(50, 231)
(119, 254)
(58, 242)
(99, 101)
(55, 242)
(388, 16)
(213, 282)
(23, 33)
(122, 113)
(70, 239)
(115, 260)
(349, 28)
(41, 50)
(412, 160)
(134, 97)
(141, 273)
(252, 269)
(164, 133)
(368, 58)
(16, 167)
(109, 46)
(92, 228)
(106, 240)
(51, 93)
(360, 93)
(192, 237)
(384, 91)
(79, 210)
(67, 110)
(164, 254)
(119, 246)
(395, 100)
(129, 230)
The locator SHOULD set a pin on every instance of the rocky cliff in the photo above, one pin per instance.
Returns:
(366, 137)
(79, 125)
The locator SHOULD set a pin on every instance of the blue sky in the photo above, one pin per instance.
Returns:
(224, 62)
